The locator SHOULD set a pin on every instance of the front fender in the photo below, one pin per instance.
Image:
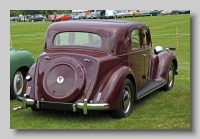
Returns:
(20, 59)
(109, 91)
(161, 63)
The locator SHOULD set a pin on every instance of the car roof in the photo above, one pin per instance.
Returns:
(111, 31)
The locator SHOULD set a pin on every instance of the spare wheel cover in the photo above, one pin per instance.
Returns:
(63, 80)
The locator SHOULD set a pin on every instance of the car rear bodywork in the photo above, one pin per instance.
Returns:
(85, 77)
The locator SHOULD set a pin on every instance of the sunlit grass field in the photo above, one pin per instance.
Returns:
(158, 110)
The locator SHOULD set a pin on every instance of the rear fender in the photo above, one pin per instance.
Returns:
(109, 91)
(30, 83)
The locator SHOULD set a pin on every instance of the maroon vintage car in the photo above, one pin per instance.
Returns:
(93, 65)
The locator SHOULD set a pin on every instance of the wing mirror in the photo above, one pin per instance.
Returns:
(173, 48)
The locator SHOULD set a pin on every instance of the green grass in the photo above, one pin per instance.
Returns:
(158, 110)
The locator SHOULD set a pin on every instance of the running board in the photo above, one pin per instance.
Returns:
(152, 86)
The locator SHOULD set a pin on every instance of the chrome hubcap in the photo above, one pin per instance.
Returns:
(18, 83)
(126, 99)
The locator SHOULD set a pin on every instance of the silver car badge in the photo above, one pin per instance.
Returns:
(60, 79)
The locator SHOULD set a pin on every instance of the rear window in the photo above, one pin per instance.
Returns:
(77, 38)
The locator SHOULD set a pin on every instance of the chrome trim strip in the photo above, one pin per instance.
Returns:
(103, 106)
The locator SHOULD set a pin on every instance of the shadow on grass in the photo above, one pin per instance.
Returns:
(91, 114)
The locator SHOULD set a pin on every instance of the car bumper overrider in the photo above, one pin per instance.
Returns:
(85, 106)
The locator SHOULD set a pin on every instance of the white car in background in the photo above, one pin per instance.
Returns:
(110, 14)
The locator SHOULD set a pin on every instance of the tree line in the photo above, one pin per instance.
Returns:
(31, 12)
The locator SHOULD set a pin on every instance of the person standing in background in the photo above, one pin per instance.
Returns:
(54, 16)
(47, 17)
(104, 13)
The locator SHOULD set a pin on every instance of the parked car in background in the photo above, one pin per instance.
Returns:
(184, 11)
(36, 17)
(22, 18)
(81, 16)
(20, 62)
(119, 13)
(150, 13)
(132, 13)
(110, 14)
(72, 72)
(168, 12)
(89, 16)
(72, 15)
(95, 14)
(60, 17)
(14, 19)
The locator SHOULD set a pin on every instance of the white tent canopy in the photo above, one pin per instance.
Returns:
(75, 11)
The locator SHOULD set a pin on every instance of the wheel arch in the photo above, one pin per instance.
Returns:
(175, 63)
(111, 86)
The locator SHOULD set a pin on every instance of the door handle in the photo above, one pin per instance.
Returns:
(143, 54)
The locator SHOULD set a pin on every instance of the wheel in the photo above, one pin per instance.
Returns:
(17, 84)
(126, 101)
(170, 78)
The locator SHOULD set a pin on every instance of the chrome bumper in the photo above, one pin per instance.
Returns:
(84, 106)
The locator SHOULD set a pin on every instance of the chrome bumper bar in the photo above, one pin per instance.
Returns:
(84, 106)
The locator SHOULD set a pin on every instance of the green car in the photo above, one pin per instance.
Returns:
(150, 13)
(20, 63)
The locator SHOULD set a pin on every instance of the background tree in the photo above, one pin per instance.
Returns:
(31, 12)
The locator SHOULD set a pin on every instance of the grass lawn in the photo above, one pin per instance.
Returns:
(158, 110)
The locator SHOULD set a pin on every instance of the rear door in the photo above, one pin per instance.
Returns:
(136, 57)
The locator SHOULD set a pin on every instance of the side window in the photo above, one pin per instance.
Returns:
(135, 39)
(147, 38)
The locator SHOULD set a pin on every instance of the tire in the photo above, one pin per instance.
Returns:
(126, 101)
(17, 84)
(170, 78)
